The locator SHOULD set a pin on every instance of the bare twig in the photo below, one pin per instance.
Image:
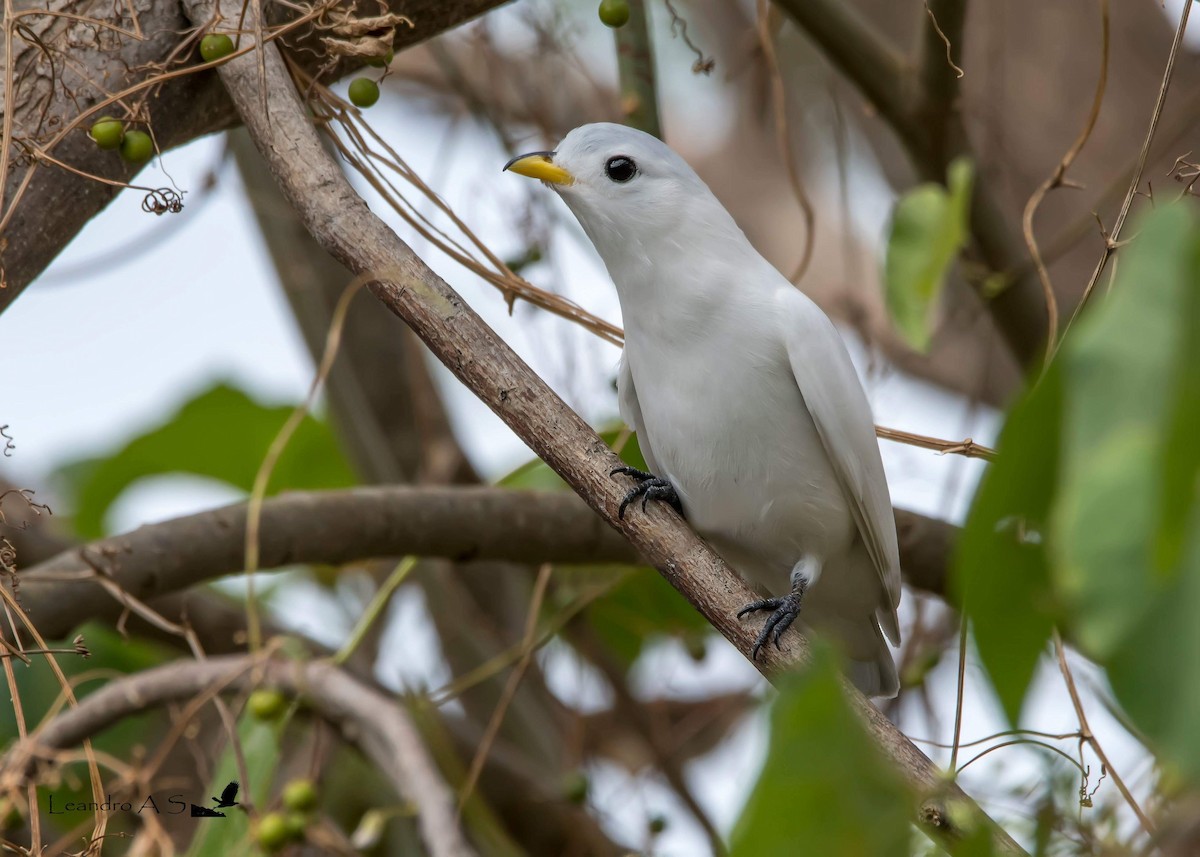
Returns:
(958, 72)
(1056, 179)
(1112, 239)
(1086, 736)
(966, 447)
(345, 226)
(259, 490)
(528, 640)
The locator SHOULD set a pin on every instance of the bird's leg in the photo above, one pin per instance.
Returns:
(784, 610)
(649, 487)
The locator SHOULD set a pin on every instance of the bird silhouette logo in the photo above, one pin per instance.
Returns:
(228, 798)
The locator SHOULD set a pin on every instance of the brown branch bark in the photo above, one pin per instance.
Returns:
(336, 527)
(381, 728)
(344, 225)
(183, 109)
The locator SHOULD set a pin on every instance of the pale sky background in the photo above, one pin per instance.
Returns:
(141, 312)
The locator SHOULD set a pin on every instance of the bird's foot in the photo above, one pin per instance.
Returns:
(783, 613)
(649, 487)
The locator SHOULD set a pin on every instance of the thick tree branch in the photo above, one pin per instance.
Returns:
(336, 527)
(184, 108)
(343, 224)
(381, 728)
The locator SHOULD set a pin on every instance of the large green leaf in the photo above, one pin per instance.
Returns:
(1126, 533)
(1001, 569)
(1123, 480)
(929, 226)
(825, 789)
(222, 434)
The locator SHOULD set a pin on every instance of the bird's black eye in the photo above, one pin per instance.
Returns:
(620, 169)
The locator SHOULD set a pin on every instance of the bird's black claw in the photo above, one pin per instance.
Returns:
(784, 612)
(649, 487)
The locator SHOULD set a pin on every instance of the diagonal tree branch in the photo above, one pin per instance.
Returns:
(381, 728)
(343, 224)
(335, 527)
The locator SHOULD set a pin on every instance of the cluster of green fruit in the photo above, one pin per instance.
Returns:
(278, 829)
(137, 147)
(109, 133)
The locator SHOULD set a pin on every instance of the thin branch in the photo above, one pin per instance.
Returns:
(966, 447)
(1111, 240)
(381, 728)
(1056, 179)
(259, 490)
(1086, 736)
(528, 640)
(937, 103)
(341, 221)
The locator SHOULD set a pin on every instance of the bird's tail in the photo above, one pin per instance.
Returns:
(877, 676)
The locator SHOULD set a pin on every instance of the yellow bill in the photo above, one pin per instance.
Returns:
(539, 165)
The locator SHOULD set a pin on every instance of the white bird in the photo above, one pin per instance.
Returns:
(745, 401)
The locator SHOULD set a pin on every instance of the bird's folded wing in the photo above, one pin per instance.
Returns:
(834, 397)
(631, 411)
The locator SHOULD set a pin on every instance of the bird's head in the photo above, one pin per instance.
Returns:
(628, 189)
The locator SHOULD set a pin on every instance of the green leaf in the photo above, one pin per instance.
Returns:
(1002, 573)
(929, 226)
(825, 785)
(1126, 534)
(1180, 465)
(1129, 472)
(222, 434)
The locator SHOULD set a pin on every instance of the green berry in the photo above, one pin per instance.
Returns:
(363, 92)
(137, 147)
(657, 824)
(273, 833)
(215, 45)
(300, 795)
(108, 132)
(382, 62)
(614, 13)
(575, 787)
(297, 824)
(267, 704)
